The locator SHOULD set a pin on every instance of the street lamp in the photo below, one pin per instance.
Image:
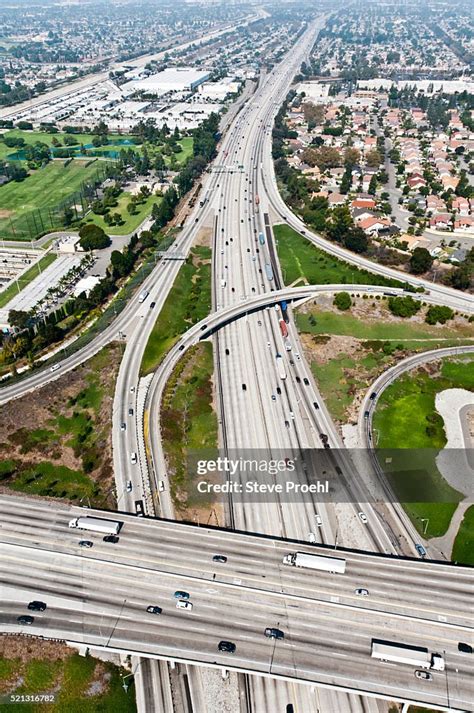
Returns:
(126, 686)
(427, 521)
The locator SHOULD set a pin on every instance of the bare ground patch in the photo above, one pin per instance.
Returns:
(67, 422)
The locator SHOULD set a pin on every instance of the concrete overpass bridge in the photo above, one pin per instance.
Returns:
(98, 597)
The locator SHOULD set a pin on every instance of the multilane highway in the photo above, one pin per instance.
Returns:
(93, 598)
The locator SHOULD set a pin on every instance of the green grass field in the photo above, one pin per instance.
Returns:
(189, 421)
(406, 418)
(26, 278)
(32, 137)
(72, 680)
(303, 262)
(188, 302)
(131, 222)
(394, 330)
(463, 549)
(44, 187)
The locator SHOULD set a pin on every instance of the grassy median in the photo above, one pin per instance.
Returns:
(188, 302)
(188, 422)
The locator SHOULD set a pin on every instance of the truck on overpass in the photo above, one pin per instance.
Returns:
(336, 565)
(417, 656)
(96, 524)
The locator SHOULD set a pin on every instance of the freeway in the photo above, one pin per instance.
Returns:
(92, 598)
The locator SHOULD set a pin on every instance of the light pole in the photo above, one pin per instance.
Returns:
(425, 520)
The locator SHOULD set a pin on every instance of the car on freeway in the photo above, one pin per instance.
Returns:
(319, 521)
(154, 609)
(278, 390)
(129, 486)
(465, 648)
(220, 558)
(130, 411)
(424, 675)
(292, 415)
(86, 543)
(287, 424)
(373, 395)
(161, 486)
(132, 389)
(311, 537)
(111, 538)
(123, 426)
(133, 458)
(181, 595)
(306, 381)
(37, 606)
(362, 516)
(421, 550)
(182, 604)
(152, 304)
(25, 619)
(362, 592)
(227, 646)
(272, 633)
(274, 398)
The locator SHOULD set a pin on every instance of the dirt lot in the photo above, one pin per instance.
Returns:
(63, 432)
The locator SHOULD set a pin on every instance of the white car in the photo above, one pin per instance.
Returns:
(161, 486)
(362, 516)
(319, 521)
(129, 486)
(133, 458)
(182, 604)
(311, 537)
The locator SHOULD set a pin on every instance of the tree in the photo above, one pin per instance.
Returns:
(356, 240)
(339, 223)
(373, 158)
(18, 318)
(342, 300)
(438, 313)
(373, 185)
(420, 261)
(403, 306)
(91, 237)
(351, 157)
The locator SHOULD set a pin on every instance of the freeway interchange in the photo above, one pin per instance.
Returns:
(95, 597)
(92, 598)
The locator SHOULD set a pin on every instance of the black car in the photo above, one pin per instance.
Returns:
(36, 606)
(227, 646)
(278, 390)
(86, 543)
(111, 538)
(315, 405)
(152, 304)
(244, 387)
(25, 619)
(306, 381)
(219, 558)
(464, 648)
(272, 633)
(154, 610)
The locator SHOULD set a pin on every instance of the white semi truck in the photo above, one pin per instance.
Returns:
(96, 524)
(321, 562)
(417, 656)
